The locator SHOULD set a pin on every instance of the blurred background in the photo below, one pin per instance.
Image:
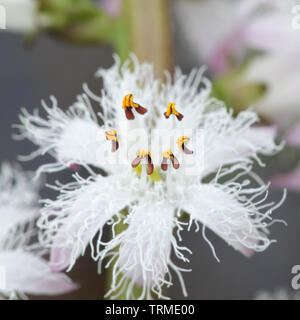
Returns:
(251, 50)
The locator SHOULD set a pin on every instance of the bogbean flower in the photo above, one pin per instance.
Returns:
(168, 150)
(22, 267)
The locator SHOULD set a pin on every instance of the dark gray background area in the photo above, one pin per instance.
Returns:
(29, 74)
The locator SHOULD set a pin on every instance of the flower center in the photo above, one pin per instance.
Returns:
(167, 156)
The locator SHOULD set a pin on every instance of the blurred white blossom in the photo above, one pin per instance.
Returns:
(23, 269)
(219, 31)
(280, 73)
(224, 34)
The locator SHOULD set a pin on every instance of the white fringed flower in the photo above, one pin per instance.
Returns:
(180, 154)
(22, 268)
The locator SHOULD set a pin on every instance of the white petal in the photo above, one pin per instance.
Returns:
(280, 74)
(233, 214)
(71, 137)
(81, 210)
(229, 140)
(144, 256)
(30, 274)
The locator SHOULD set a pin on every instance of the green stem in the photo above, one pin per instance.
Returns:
(142, 28)
(83, 22)
(150, 32)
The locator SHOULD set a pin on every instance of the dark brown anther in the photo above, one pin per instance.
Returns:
(128, 105)
(179, 116)
(129, 114)
(150, 167)
(166, 115)
(141, 110)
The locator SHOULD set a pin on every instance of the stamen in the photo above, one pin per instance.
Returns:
(169, 155)
(171, 110)
(144, 155)
(181, 144)
(112, 135)
(128, 104)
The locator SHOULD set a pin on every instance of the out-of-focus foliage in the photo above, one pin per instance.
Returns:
(84, 22)
(234, 92)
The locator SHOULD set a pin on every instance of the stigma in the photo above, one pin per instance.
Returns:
(144, 155)
(166, 156)
(128, 104)
(171, 110)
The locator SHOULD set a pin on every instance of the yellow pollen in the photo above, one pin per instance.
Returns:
(171, 110)
(168, 154)
(111, 135)
(181, 141)
(125, 104)
(128, 102)
(144, 153)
